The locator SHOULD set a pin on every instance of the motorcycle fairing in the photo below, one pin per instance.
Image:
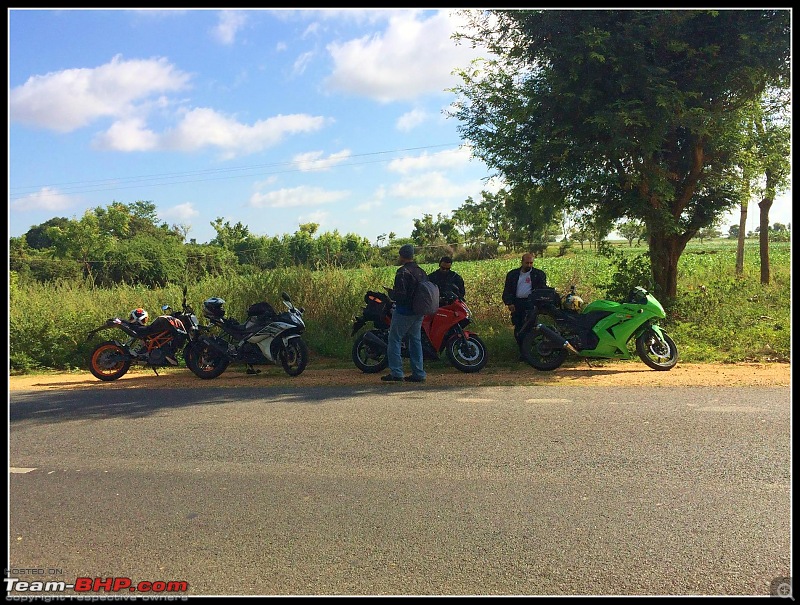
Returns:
(616, 329)
(266, 335)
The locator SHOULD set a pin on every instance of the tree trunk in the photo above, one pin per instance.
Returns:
(763, 237)
(740, 243)
(665, 251)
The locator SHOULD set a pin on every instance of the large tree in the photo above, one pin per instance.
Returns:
(621, 112)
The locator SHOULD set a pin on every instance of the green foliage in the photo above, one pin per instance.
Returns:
(721, 318)
(630, 271)
(619, 115)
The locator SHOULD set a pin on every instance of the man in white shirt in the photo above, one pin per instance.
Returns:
(519, 284)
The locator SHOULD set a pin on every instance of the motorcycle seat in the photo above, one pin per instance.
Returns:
(234, 328)
(159, 325)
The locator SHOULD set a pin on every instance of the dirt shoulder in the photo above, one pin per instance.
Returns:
(619, 373)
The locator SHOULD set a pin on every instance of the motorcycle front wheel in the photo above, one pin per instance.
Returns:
(657, 353)
(369, 358)
(109, 361)
(467, 354)
(541, 353)
(204, 361)
(294, 357)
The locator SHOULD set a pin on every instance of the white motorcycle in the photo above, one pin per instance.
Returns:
(266, 338)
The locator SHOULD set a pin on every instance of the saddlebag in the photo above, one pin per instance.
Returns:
(543, 296)
(376, 305)
(261, 309)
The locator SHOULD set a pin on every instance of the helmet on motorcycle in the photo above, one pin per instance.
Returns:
(213, 308)
(573, 302)
(138, 316)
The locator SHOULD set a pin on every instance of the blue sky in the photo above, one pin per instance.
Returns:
(271, 118)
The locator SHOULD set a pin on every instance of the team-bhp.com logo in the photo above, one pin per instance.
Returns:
(781, 587)
(96, 585)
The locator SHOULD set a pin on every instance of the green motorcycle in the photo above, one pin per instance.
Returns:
(555, 327)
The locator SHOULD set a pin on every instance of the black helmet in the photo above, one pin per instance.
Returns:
(213, 308)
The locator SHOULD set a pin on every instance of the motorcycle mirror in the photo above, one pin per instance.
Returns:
(285, 297)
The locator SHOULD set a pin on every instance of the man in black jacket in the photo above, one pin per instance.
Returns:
(405, 321)
(447, 279)
(519, 284)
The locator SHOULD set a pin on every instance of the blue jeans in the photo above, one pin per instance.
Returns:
(401, 326)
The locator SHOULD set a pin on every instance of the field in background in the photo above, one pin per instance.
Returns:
(716, 317)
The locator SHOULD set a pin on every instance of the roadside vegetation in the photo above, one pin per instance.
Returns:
(716, 317)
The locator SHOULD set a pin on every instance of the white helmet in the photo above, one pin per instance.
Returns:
(573, 302)
(138, 316)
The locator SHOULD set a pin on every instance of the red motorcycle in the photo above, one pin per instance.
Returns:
(441, 331)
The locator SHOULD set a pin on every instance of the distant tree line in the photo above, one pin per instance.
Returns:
(125, 243)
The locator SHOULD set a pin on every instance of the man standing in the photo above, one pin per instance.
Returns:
(405, 321)
(447, 279)
(519, 284)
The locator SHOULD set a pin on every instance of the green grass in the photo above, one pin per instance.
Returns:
(717, 317)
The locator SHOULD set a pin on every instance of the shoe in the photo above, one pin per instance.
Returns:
(391, 378)
(413, 379)
(253, 371)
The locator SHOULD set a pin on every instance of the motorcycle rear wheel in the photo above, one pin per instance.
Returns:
(109, 361)
(657, 353)
(204, 361)
(541, 353)
(294, 357)
(369, 358)
(467, 354)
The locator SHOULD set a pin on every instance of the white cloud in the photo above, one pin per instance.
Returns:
(312, 30)
(301, 63)
(428, 185)
(178, 214)
(367, 206)
(205, 127)
(447, 159)
(230, 22)
(46, 198)
(320, 217)
(314, 160)
(270, 180)
(296, 197)
(70, 99)
(415, 56)
(127, 135)
(411, 119)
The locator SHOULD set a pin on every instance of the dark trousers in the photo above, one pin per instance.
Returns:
(521, 307)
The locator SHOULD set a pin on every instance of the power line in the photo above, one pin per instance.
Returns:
(179, 178)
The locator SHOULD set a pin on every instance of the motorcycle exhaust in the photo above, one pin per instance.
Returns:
(217, 347)
(556, 338)
(374, 340)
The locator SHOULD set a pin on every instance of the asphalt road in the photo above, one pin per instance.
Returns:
(404, 489)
